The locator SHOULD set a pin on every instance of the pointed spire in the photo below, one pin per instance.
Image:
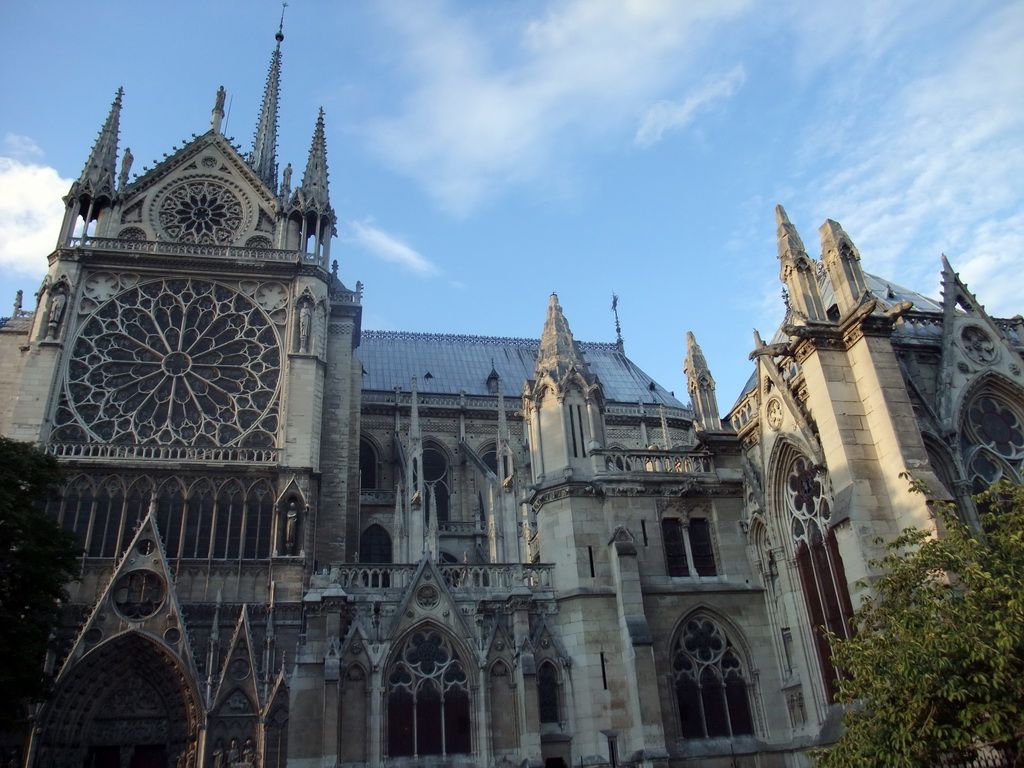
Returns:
(313, 192)
(842, 264)
(700, 385)
(558, 351)
(264, 146)
(98, 175)
(798, 272)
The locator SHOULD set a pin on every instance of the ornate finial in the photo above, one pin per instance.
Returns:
(280, 28)
(217, 114)
(618, 328)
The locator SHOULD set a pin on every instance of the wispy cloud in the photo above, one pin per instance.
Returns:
(30, 214)
(20, 147)
(667, 115)
(937, 167)
(390, 249)
(483, 113)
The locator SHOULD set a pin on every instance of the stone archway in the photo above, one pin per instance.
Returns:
(129, 703)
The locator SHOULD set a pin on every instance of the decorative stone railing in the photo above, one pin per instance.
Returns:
(377, 498)
(651, 412)
(193, 249)
(504, 576)
(136, 452)
(607, 462)
(460, 527)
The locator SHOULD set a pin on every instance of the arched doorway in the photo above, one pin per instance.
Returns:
(129, 703)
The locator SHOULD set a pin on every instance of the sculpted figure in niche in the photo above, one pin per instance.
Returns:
(233, 753)
(58, 300)
(290, 526)
(248, 752)
(305, 325)
(218, 754)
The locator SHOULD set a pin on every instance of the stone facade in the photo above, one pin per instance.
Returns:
(307, 544)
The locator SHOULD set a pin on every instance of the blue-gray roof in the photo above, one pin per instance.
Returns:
(463, 363)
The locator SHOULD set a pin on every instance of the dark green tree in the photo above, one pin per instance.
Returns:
(37, 560)
(936, 669)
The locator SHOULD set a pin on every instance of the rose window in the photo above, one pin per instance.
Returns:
(201, 212)
(993, 443)
(182, 362)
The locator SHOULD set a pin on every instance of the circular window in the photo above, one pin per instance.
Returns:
(184, 362)
(138, 594)
(201, 212)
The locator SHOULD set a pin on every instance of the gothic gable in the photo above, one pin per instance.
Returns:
(203, 194)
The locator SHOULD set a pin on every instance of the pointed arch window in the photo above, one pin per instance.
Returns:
(548, 694)
(375, 545)
(712, 690)
(822, 575)
(428, 699)
(368, 465)
(436, 478)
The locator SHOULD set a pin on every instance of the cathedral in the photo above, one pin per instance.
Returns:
(310, 544)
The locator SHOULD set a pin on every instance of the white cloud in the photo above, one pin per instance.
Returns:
(666, 115)
(483, 113)
(936, 167)
(388, 248)
(30, 214)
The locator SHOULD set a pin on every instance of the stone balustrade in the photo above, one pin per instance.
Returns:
(377, 498)
(612, 461)
(204, 250)
(154, 452)
(499, 577)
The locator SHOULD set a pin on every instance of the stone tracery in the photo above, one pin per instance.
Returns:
(174, 362)
(201, 212)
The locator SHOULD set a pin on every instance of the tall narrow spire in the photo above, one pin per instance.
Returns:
(97, 177)
(264, 145)
(313, 192)
(700, 385)
(798, 272)
(842, 264)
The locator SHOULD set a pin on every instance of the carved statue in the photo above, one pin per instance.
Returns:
(17, 304)
(290, 526)
(218, 754)
(305, 322)
(249, 752)
(58, 299)
(233, 753)
(221, 96)
(126, 168)
(286, 181)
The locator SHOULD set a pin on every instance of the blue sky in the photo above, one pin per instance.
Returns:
(483, 155)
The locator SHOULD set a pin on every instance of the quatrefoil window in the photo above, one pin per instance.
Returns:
(179, 362)
(203, 212)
